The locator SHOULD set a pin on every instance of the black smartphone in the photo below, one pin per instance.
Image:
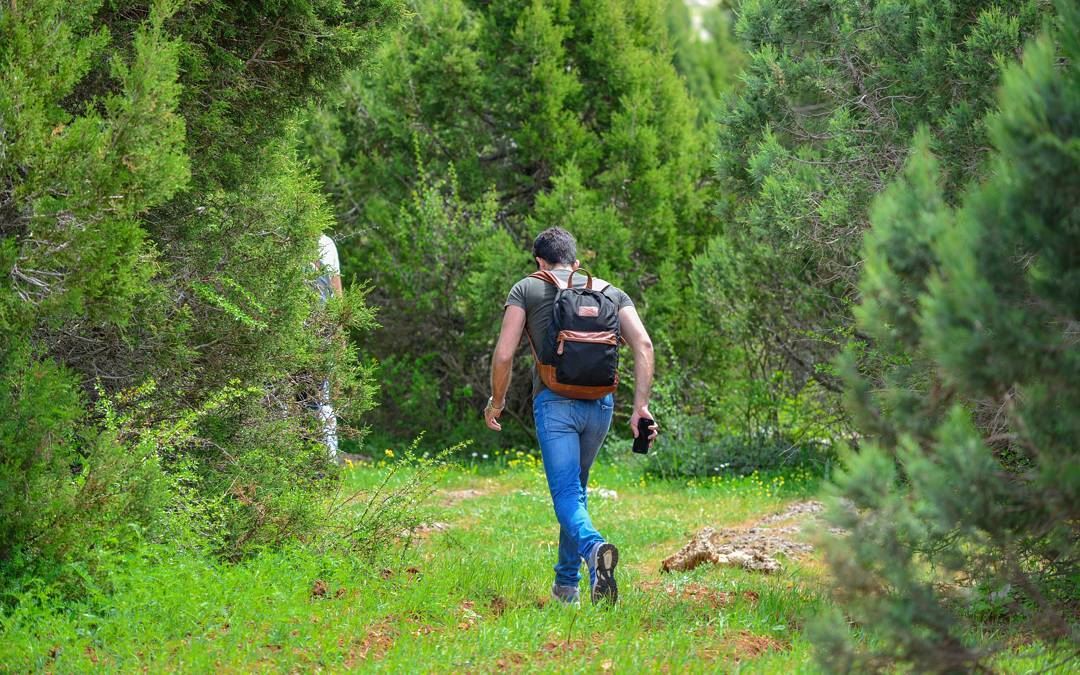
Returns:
(641, 443)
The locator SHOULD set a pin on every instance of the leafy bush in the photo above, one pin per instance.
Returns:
(706, 432)
(66, 488)
(712, 454)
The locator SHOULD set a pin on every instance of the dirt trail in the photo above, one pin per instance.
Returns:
(451, 497)
(753, 547)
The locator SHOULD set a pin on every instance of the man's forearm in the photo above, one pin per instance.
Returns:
(643, 375)
(500, 379)
(502, 359)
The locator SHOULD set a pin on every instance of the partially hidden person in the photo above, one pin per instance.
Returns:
(328, 284)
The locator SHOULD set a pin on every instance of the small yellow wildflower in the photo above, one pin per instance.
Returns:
(389, 452)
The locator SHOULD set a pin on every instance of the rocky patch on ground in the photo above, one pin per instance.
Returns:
(754, 547)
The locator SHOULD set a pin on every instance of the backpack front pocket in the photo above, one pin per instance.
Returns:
(586, 358)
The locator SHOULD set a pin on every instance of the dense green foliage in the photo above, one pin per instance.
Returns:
(831, 96)
(156, 230)
(843, 222)
(66, 225)
(965, 508)
(483, 124)
(706, 55)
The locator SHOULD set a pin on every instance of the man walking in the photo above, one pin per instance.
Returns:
(572, 425)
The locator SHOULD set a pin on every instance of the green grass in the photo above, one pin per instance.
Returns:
(472, 597)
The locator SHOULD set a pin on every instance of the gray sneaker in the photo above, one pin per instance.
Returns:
(602, 564)
(568, 595)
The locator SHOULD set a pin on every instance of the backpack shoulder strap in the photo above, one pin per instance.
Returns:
(547, 277)
(590, 284)
(588, 278)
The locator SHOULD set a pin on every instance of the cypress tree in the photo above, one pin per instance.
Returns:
(963, 510)
(831, 96)
(157, 322)
(548, 113)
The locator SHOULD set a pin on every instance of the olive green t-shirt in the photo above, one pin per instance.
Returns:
(537, 297)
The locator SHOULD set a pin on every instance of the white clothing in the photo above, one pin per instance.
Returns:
(328, 257)
(328, 266)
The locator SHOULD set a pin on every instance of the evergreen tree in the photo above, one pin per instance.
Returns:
(157, 321)
(546, 113)
(831, 97)
(964, 508)
(706, 53)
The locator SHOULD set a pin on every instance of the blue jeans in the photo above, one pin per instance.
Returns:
(570, 433)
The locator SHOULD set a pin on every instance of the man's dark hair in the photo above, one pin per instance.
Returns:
(556, 246)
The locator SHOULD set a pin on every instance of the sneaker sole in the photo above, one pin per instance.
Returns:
(607, 557)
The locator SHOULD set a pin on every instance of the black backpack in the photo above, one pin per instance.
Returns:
(580, 354)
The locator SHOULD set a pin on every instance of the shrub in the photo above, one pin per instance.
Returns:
(66, 488)
(711, 432)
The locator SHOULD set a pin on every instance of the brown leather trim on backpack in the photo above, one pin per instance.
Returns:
(606, 337)
(599, 338)
(548, 277)
(547, 376)
(588, 279)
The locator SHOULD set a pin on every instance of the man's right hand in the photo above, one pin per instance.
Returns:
(643, 412)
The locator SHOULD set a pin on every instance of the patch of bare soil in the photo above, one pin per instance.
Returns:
(557, 647)
(741, 646)
(512, 661)
(451, 497)
(562, 646)
(376, 642)
(423, 530)
(693, 592)
(747, 645)
(753, 547)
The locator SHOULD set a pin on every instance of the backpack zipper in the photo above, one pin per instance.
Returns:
(597, 337)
